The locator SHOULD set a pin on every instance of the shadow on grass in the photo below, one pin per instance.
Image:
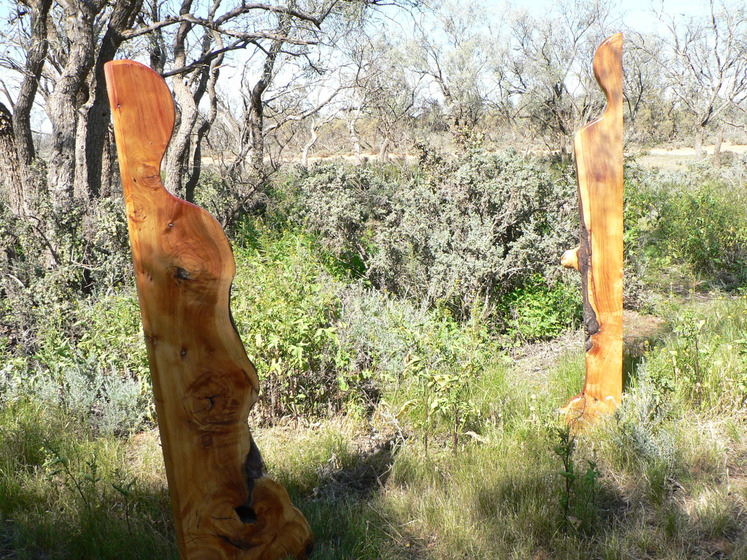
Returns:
(343, 506)
(62, 494)
(50, 531)
(643, 332)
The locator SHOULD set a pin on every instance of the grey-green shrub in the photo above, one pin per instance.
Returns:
(474, 229)
(457, 233)
(344, 205)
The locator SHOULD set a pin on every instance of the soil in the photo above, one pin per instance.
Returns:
(536, 360)
(680, 158)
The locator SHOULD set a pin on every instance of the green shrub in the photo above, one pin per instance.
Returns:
(90, 359)
(538, 311)
(228, 199)
(455, 234)
(702, 364)
(439, 375)
(708, 229)
(466, 231)
(49, 261)
(581, 488)
(285, 308)
(694, 218)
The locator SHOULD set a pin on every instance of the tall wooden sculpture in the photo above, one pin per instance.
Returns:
(599, 257)
(204, 384)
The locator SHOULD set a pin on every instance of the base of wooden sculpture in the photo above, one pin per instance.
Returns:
(583, 410)
(288, 537)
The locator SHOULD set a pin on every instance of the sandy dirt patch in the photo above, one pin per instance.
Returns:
(673, 158)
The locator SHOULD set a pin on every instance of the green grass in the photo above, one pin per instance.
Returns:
(370, 490)
(370, 392)
(67, 493)
(671, 477)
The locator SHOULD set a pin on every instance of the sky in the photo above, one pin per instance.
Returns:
(636, 13)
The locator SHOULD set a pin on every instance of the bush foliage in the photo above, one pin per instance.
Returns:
(457, 233)
(696, 218)
(397, 297)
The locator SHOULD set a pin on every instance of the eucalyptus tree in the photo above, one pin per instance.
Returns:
(704, 60)
(57, 50)
(453, 49)
(549, 73)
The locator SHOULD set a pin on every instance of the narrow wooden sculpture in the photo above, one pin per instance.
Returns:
(599, 257)
(204, 384)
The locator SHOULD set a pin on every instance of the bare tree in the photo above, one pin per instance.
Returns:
(550, 71)
(454, 48)
(279, 32)
(64, 47)
(315, 123)
(385, 87)
(189, 89)
(254, 111)
(705, 63)
(650, 112)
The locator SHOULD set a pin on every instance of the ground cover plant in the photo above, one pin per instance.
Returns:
(409, 415)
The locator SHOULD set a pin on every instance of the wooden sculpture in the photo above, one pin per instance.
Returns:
(204, 384)
(599, 257)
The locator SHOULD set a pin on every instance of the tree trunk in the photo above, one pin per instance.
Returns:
(256, 120)
(24, 140)
(95, 177)
(354, 138)
(177, 156)
(10, 169)
(255, 115)
(186, 145)
(196, 171)
(156, 44)
(384, 149)
(310, 143)
(563, 146)
(717, 147)
(81, 188)
(35, 57)
(69, 95)
(699, 137)
(107, 167)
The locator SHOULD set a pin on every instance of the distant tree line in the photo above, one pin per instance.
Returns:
(259, 82)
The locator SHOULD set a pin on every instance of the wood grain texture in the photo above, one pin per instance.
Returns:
(204, 384)
(599, 257)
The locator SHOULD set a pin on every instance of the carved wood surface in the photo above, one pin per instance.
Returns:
(599, 163)
(204, 384)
